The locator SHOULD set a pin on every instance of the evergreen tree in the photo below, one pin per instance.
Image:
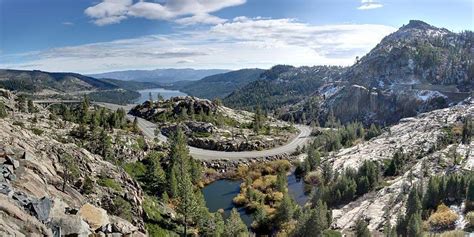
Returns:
(413, 202)
(180, 160)
(361, 229)
(281, 182)
(84, 110)
(70, 169)
(94, 123)
(431, 197)
(415, 225)
(159, 97)
(31, 107)
(313, 221)
(467, 130)
(154, 174)
(105, 144)
(3, 110)
(285, 210)
(257, 121)
(234, 226)
(150, 97)
(313, 159)
(470, 196)
(135, 125)
(21, 103)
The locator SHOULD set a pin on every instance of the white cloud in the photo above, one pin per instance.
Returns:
(181, 11)
(67, 23)
(369, 4)
(239, 43)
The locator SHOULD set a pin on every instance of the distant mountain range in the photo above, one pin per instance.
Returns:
(219, 85)
(160, 75)
(61, 82)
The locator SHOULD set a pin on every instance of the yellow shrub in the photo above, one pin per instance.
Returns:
(444, 218)
(239, 200)
(470, 218)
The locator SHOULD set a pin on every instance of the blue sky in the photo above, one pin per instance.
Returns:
(101, 35)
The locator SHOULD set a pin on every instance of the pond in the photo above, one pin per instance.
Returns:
(219, 195)
(145, 94)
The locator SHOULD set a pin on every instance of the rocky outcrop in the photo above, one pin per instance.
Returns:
(422, 138)
(173, 108)
(32, 198)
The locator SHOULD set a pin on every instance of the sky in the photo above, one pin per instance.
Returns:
(91, 36)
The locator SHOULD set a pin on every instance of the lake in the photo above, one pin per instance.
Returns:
(219, 195)
(145, 94)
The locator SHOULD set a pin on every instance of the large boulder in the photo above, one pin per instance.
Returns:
(72, 225)
(96, 217)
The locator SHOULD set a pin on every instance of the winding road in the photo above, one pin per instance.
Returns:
(148, 129)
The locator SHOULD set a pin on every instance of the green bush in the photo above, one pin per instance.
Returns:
(37, 131)
(135, 169)
(122, 208)
(110, 183)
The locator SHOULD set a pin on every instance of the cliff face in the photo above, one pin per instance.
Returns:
(47, 186)
(416, 69)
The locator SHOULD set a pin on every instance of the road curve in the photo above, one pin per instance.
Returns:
(148, 129)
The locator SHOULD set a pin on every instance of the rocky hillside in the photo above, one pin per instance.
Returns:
(49, 186)
(39, 81)
(282, 85)
(416, 69)
(169, 75)
(428, 140)
(220, 85)
(210, 125)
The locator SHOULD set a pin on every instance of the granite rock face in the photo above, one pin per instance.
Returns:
(422, 137)
(32, 201)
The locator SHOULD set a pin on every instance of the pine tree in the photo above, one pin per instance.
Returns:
(84, 111)
(31, 106)
(154, 174)
(413, 203)
(159, 97)
(3, 110)
(431, 197)
(234, 226)
(257, 121)
(415, 225)
(70, 169)
(150, 97)
(467, 130)
(361, 228)
(470, 196)
(135, 125)
(105, 144)
(281, 182)
(314, 158)
(180, 160)
(285, 210)
(21, 103)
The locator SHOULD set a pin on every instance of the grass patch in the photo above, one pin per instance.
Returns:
(37, 131)
(110, 183)
(135, 169)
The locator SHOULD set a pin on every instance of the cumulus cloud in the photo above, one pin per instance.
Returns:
(238, 43)
(181, 11)
(369, 4)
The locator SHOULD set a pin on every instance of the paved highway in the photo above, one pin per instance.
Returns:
(148, 129)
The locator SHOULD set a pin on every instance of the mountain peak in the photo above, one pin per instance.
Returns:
(417, 24)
